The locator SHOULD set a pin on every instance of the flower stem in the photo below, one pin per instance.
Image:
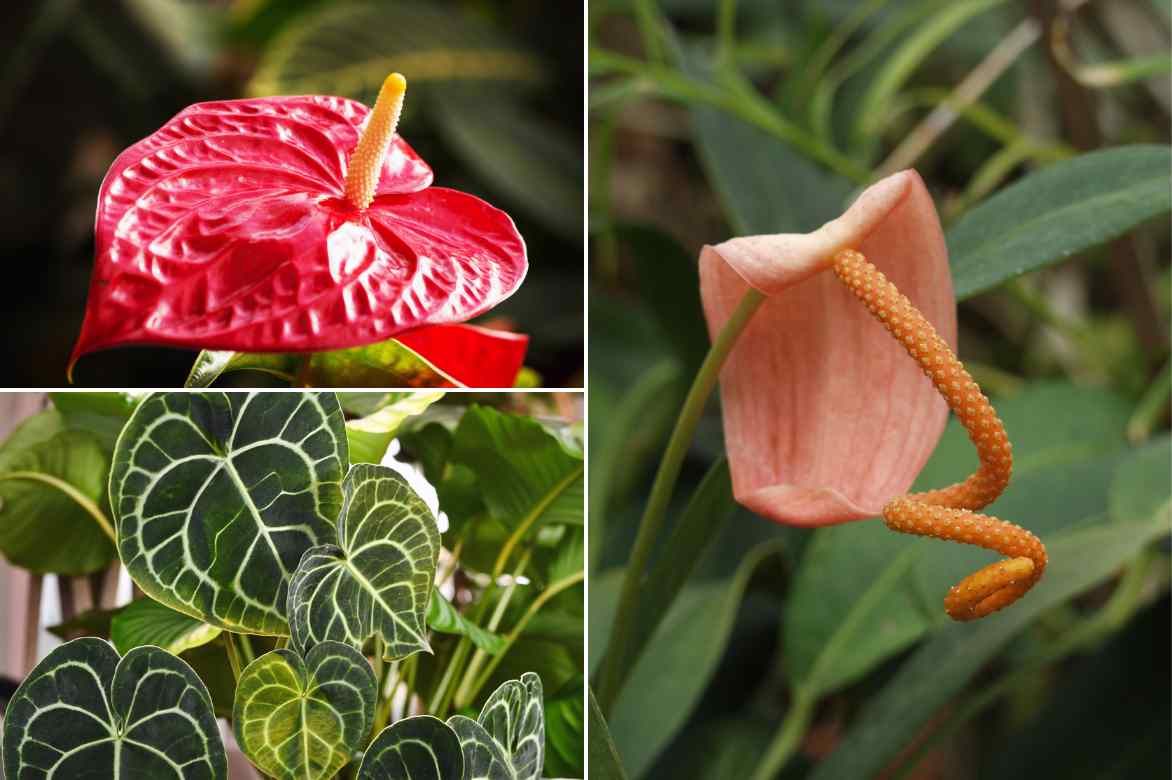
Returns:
(615, 670)
(787, 737)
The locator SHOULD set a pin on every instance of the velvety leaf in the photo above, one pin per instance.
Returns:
(1063, 209)
(443, 616)
(514, 716)
(147, 622)
(377, 580)
(484, 758)
(305, 717)
(417, 748)
(370, 436)
(218, 495)
(83, 712)
(604, 758)
(521, 468)
(51, 491)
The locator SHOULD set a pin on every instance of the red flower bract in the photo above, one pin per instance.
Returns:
(229, 228)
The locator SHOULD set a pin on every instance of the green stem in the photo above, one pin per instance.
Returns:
(614, 671)
(726, 33)
(246, 653)
(82, 500)
(233, 656)
(1152, 407)
(463, 697)
(534, 515)
(439, 699)
(786, 740)
(383, 672)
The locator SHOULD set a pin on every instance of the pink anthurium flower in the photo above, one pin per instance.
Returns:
(826, 418)
(289, 224)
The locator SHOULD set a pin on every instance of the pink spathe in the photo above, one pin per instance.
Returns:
(826, 418)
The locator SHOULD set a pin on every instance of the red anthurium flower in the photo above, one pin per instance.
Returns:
(470, 355)
(288, 224)
(826, 419)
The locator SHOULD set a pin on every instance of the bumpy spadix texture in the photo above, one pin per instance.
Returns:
(232, 228)
(948, 513)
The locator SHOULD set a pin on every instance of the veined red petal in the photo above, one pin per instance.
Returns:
(825, 417)
(228, 229)
(473, 356)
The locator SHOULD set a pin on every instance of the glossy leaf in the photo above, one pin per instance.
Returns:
(370, 436)
(417, 748)
(521, 468)
(515, 718)
(218, 495)
(147, 622)
(51, 490)
(443, 616)
(83, 712)
(1061, 210)
(228, 229)
(305, 716)
(377, 580)
(437, 356)
(484, 758)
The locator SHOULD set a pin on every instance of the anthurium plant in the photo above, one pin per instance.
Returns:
(378, 585)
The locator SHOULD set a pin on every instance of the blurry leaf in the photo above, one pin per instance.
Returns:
(349, 48)
(456, 485)
(1140, 487)
(385, 364)
(92, 622)
(666, 683)
(102, 414)
(1058, 212)
(604, 758)
(54, 492)
(524, 471)
(565, 732)
(524, 159)
(211, 663)
(186, 31)
(257, 21)
(1079, 559)
(370, 436)
(555, 662)
(444, 617)
(147, 622)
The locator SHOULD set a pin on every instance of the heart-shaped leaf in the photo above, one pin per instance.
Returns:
(378, 578)
(147, 622)
(82, 712)
(218, 495)
(418, 748)
(305, 716)
(229, 229)
(484, 758)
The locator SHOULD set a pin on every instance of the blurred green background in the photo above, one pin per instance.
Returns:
(1042, 133)
(495, 108)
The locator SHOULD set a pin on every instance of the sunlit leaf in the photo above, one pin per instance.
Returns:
(147, 622)
(369, 436)
(305, 716)
(417, 748)
(218, 495)
(377, 580)
(83, 712)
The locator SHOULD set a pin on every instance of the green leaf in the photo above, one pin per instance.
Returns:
(378, 579)
(604, 758)
(147, 622)
(1140, 487)
(1064, 209)
(369, 436)
(524, 471)
(484, 758)
(218, 495)
(51, 491)
(102, 414)
(443, 616)
(1079, 560)
(417, 748)
(83, 712)
(385, 364)
(304, 717)
(514, 717)
(565, 731)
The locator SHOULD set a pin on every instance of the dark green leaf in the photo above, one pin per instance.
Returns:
(218, 495)
(83, 712)
(484, 759)
(147, 622)
(604, 758)
(565, 731)
(418, 748)
(1064, 209)
(514, 716)
(378, 579)
(444, 617)
(305, 717)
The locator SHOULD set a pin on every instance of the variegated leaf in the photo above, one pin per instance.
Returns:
(83, 712)
(515, 717)
(377, 580)
(304, 717)
(484, 758)
(418, 748)
(218, 495)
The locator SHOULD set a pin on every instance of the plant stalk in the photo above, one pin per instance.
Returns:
(786, 740)
(615, 669)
